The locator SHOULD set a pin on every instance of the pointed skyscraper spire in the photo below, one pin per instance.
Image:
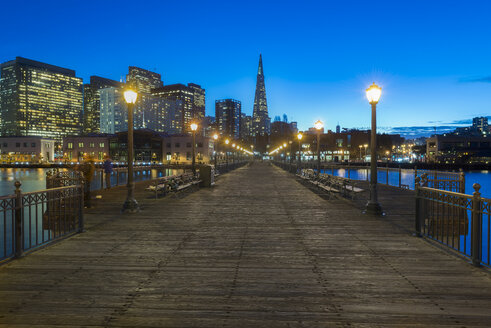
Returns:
(260, 118)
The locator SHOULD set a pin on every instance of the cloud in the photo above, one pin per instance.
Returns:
(417, 131)
(480, 79)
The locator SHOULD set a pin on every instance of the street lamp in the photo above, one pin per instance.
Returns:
(130, 205)
(318, 126)
(226, 153)
(194, 127)
(299, 136)
(366, 146)
(373, 95)
(360, 151)
(215, 145)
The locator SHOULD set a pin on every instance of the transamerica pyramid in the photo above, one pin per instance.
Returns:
(260, 118)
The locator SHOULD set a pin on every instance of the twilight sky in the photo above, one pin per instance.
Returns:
(432, 58)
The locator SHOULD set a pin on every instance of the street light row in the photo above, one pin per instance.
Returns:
(373, 94)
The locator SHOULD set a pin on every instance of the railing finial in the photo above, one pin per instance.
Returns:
(476, 187)
(17, 185)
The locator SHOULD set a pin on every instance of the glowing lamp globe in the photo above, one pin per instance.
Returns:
(373, 93)
(194, 126)
(299, 136)
(215, 136)
(130, 96)
(319, 125)
(227, 141)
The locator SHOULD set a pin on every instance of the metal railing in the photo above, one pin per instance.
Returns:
(457, 220)
(395, 177)
(33, 219)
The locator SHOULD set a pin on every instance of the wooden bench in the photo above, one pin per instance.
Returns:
(331, 184)
(173, 184)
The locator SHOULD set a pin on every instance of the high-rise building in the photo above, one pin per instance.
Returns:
(142, 80)
(227, 116)
(38, 99)
(151, 112)
(199, 101)
(261, 120)
(338, 128)
(245, 126)
(113, 110)
(186, 97)
(92, 106)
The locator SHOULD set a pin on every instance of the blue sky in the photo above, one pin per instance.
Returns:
(432, 58)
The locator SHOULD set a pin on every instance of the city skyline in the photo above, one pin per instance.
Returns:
(434, 72)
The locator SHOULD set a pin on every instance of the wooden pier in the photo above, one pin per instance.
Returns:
(257, 250)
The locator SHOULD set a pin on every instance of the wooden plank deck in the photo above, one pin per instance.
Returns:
(257, 250)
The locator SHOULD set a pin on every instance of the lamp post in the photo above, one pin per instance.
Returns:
(299, 136)
(373, 95)
(194, 127)
(215, 146)
(226, 153)
(130, 205)
(318, 126)
(360, 151)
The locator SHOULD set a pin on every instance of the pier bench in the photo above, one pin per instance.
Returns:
(173, 184)
(331, 184)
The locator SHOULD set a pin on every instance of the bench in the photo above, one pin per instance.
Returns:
(331, 184)
(173, 184)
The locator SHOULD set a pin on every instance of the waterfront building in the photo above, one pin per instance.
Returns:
(480, 124)
(190, 110)
(39, 99)
(228, 117)
(177, 149)
(261, 120)
(458, 149)
(209, 126)
(77, 148)
(27, 149)
(147, 146)
(92, 106)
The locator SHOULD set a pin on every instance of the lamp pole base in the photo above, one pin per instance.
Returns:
(131, 206)
(373, 209)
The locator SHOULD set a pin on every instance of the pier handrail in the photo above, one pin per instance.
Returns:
(455, 220)
(34, 219)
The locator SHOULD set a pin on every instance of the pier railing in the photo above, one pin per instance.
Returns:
(395, 177)
(457, 220)
(33, 219)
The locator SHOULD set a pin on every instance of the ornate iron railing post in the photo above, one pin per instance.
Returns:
(417, 216)
(476, 226)
(19, 240)
(462, 182)
(81, 208)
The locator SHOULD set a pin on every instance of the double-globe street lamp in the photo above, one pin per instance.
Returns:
(373, 95)
(318, 126)
(226, 153)
(299, 136)
(215, 146)
(194, 127)
(130, 205)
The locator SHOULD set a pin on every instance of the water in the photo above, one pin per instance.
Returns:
(482, 177)
(35, 179)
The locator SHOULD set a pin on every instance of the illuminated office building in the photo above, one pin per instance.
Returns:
(260, 118)
(150, 112)
(92, 106)
(227, 116)
(142, 80)
(38, 99)
(192, 98)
